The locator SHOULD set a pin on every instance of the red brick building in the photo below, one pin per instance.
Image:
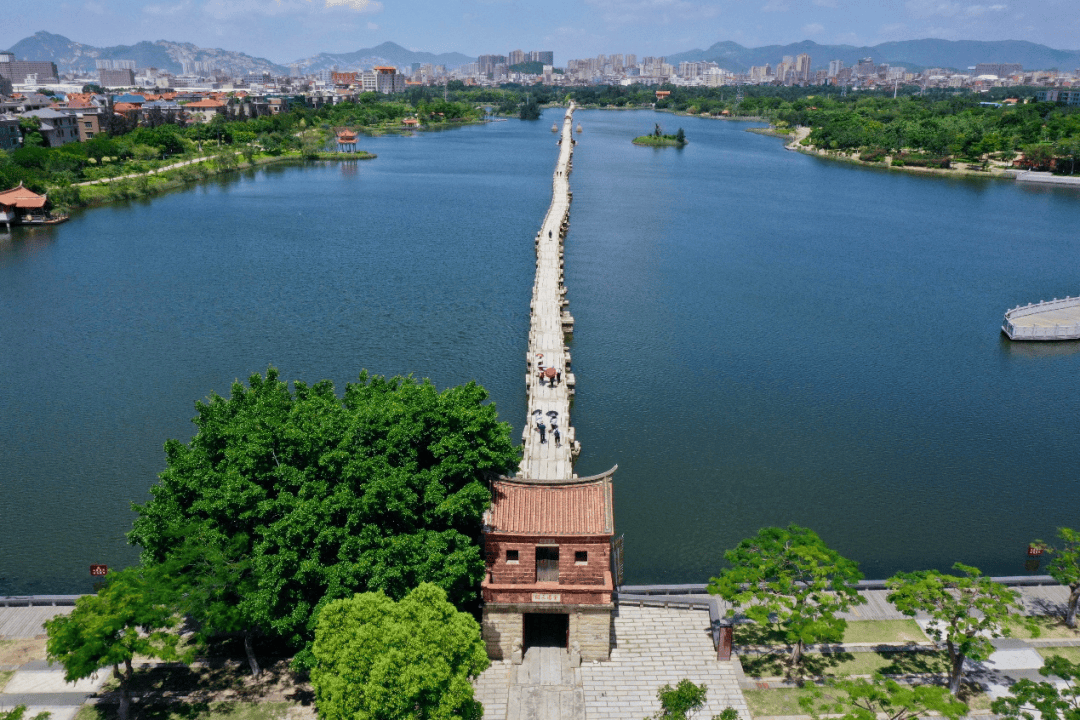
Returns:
(548, 550)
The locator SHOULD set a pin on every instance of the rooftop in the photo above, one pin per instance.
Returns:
(572, 508)
(21, 197)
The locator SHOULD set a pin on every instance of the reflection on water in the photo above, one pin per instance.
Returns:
(1039, 349)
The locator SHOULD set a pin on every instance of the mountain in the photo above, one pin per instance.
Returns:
(914, 54)
(386, 54)
(71, 56)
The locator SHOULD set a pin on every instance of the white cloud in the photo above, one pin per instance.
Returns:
(662, 12)
(775, 6)
(826, 3)
(813, 29)
(372, 26)
(364, 6)
(945, 8)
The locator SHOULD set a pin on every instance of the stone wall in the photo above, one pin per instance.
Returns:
(590, 627)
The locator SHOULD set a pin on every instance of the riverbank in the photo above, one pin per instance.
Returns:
(798, 141)
(653, 141)
(177, 176)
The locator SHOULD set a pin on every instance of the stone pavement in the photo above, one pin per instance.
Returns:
(545, 687)
(43, 689)
(653, 647)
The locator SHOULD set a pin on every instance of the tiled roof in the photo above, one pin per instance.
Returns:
(22, 198)
(205, 104)
(571, 509)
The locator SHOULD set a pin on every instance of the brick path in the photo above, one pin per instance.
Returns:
(653, 647)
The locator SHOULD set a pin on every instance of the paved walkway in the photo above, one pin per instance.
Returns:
(547, 348)
(545, 687)
(28, 622)
(166, 168)
(653, 647)
(43, 689)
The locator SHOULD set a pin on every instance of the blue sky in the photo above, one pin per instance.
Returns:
(286, 30)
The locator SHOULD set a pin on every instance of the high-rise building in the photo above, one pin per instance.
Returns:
(17, 70)
(998, 69)
(116, 78)
(488, 62)
(515, 57)
(866, 68)
(802, 68)
(835, 66)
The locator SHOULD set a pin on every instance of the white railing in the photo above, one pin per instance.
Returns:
(1031, 332)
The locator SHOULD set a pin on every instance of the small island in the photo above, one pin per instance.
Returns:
(659, 139)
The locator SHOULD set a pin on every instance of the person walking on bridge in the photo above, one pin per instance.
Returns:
(543, 430)
(555, 434)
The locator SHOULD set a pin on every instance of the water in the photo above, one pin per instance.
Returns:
(762, 337)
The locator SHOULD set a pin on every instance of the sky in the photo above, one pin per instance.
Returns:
(287, 30)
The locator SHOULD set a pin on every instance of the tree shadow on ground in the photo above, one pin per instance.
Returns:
(778, 664)
(914, 662)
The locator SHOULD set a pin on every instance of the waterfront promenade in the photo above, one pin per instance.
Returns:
(549, 397)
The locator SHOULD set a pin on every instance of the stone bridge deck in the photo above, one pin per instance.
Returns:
(548, 401)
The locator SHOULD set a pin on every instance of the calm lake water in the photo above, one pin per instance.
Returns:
(762, 338)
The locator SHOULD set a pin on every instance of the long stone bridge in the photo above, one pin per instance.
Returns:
(548, 377)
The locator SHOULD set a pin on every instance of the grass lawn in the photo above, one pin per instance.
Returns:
(785, 701)
(861, 631)
(5, 675)
(837, 664)
(192, 711)
(1072, 654)
(1050, 626)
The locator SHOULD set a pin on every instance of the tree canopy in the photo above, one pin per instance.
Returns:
(1065, 568)
(376, 659)
(968, 609)
(862, 699)
(304, 497)
(791, 574)
(1030, 700)
(131, 615)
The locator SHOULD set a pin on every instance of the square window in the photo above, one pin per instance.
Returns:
(581, 557)
(511, 556)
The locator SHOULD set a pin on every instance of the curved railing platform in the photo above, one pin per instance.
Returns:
(1016, 328)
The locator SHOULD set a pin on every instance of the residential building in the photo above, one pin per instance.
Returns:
(515, 57)
(1065, 97)
(89, 124)
(388, 80)
(10, 135)
(835, 66)
(56, 127)
(204, 110)
(17, 71)
(116, 78)
(802, 68)
(998, 69)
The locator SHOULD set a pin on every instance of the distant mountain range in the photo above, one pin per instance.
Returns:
(914, 54)
(386, 54)
(71, 56)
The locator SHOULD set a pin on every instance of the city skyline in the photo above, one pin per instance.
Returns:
(289, 30)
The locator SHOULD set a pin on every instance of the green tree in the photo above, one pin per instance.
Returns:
(968, 611)
(1045, 700)
(17, 712)
(379, 490)
(380, 659)
(129, 616)
(862, 699)
(680, 137)
(791, 574)
(1065, 568)
(681, 701)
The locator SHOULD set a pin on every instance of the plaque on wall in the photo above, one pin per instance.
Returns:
(547, 597)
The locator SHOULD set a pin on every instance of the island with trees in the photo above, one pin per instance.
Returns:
(658, 139)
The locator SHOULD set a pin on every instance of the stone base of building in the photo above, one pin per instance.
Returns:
(503, 625)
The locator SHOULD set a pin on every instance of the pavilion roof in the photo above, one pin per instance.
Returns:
(21, 197)
(525, 508)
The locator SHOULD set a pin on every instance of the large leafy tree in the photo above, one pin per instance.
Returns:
(968, 610)
(790, 575)
(131, 615)
(1030, 700)
(306, 497)
(863, 699)
(376, 659)
(1065, 568)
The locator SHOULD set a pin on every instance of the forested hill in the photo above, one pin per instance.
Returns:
(956, 54)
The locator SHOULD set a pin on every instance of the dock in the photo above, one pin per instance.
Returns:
(550, 323)
(1048, 320)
